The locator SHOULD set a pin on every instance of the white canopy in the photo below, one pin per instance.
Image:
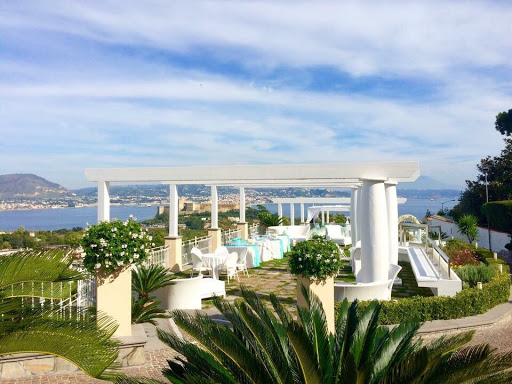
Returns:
(315, 210)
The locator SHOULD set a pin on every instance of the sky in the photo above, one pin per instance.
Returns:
(101, 84)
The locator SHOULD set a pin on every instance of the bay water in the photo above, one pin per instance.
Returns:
(59, 218)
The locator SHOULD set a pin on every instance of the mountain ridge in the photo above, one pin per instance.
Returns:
(28, 185)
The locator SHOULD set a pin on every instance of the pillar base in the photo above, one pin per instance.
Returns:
(216, 235)
(244, 230)
(174, 256)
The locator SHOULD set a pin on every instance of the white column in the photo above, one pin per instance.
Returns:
(279, 210)
(242, 204)
(323, 217)
(392, 208)
(292, 214)
(353, 215)
(103, 201)
(215, 208)
(327, 214)
(374, 233)
(359, 211)
(302, 213)
(173, 210)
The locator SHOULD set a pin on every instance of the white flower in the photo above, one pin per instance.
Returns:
(135, 256)
(150, 238)
(152, 244)
(131, 260)
(300, 259)
(93, 245)
(119, 263)
(97, 266)
(131, 216)
(122, 253)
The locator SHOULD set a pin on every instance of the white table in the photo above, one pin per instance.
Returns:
(269, 249)
(251, 257)
(215, 262)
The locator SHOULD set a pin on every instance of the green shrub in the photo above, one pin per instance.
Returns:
(468, 302)
(500, 214)
(315, 259)
(472, 274)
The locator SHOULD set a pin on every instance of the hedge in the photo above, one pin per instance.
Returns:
(468, 302)
(500, 214)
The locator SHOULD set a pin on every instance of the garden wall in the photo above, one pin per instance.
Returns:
(498, 239)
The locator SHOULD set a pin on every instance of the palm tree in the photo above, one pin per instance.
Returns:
(468, 226)
(266, 346)
(27, 326)
(270, 220)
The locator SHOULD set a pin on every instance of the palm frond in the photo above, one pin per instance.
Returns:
(197, 361)
(35, 266)
(146, 310)
(84, 340)
(319, 335)
(305, 352)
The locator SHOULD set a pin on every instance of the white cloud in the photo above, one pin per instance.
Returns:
(95, 84)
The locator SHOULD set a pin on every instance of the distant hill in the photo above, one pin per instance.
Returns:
(21, 185)
(427, 183)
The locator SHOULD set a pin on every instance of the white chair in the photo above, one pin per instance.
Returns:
(197, 263)
(230, 266)
(335, 233)
(221, 250)
(241, 264)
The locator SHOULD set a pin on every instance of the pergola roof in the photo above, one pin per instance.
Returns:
(272, 176)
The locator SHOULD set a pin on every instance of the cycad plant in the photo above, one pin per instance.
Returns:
(270, 220)
(27, 326)
(147, 279)
(268, 346)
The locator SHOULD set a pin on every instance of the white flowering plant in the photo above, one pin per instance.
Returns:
(316, 259)
(112, 245)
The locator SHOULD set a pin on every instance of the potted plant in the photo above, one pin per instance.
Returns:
(110, 249)
(315, 263)
(114, 245)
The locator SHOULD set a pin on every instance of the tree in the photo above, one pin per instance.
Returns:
(499, 177)
(269, 346)
(468, 226)
(503, 123)
(80, 336)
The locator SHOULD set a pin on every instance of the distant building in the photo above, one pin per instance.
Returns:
(188, 207)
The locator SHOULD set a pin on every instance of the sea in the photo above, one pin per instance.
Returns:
(67, 218)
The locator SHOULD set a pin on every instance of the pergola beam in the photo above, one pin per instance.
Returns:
(235, 175)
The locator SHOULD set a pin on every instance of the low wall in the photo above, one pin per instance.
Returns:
(131, 352)
(498, 239)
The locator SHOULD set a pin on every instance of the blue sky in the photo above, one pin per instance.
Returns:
(167, 83)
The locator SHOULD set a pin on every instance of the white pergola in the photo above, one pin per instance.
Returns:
(373, 201)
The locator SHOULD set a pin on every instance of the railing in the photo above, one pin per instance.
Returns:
(254, 229)
(440, 255)
(63, 298)
(228, 236)
(158, 256)
(203, 243)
